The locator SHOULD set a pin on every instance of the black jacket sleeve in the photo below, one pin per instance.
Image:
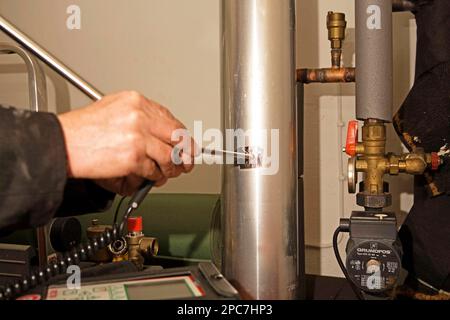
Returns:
(84, 196)
(424, 121)
(33, 179)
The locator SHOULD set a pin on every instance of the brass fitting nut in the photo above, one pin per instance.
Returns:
(374, 131)
(415, 163)
(149, 247)
(394, 164)
(374, 201)
(360, 149)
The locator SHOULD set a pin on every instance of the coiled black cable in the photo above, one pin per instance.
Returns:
(44, 274)
(80, 252)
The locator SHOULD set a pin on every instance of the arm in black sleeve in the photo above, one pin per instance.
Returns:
(33, 181)
(424, 121)
(33, 164)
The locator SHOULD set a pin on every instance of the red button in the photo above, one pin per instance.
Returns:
(30, 297)
(135, 224)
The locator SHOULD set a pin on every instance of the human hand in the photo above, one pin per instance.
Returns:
(121, 140)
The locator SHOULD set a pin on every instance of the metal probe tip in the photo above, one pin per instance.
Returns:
(219, 152)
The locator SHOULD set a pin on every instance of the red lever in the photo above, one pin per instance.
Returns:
(352, 138)
(435, 161)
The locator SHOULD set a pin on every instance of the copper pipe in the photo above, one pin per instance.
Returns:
(336, 25)
(326, 75)
(403, 5)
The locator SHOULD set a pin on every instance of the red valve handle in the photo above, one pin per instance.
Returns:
(435, 161)
(352, 138)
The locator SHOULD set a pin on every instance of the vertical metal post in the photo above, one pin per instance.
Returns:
(301, 289)
(37, 89)
(258, 92)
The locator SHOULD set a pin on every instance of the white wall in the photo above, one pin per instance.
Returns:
(170, 51)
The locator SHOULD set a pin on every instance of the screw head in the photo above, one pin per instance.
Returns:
(381, 216)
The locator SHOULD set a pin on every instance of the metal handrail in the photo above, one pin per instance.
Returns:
(50, 60)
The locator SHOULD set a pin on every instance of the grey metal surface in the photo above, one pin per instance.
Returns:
(374, 86)
(301, 267)
(258, 92)
(46, 57)
(15, 262)
(217, 280)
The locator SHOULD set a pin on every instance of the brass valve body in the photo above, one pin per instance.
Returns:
(133, 247)
(140, 246)
(373, 161)
(373, 145)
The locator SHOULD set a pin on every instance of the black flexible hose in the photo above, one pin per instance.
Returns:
(341, 264)
(125, 219)
(116, 213)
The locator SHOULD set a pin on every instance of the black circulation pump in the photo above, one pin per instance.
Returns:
(374, 252)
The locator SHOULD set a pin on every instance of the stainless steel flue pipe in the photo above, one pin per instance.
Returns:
(374, 55)
(258, 93)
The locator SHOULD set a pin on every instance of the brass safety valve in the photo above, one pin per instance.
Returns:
(336, 25)
(139, 246)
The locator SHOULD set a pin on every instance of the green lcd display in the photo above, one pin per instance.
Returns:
(173, 289)
(178, 287)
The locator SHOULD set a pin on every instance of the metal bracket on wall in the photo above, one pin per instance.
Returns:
(38, 102)
(36, 78)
